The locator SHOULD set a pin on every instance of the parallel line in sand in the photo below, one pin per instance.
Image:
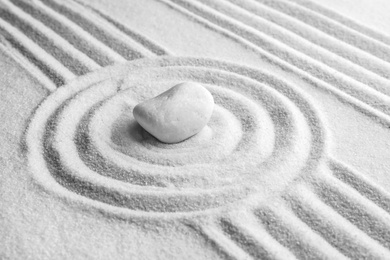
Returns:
(338, 231)
(50, 66)
(308, 40)
(251, 236)
(328, 26)
(100, 29)
(344, 21)
(349, 85)
(25, 63)
(361, 183)
(294, 234)
(68, 42)
(354, 207)
(153, 47)
(70, 57)
(74, 34)
(367, 108)
(221, 242)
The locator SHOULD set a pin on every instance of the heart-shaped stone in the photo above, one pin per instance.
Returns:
(176, 114)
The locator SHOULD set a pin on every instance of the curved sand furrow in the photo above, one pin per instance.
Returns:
(338, 231)
(84, 156)
(79, 128)
(92, 185)
(76, 167)
(359, 96)
(316, 128)
(71, 32)
(237, 131)
(152, 199)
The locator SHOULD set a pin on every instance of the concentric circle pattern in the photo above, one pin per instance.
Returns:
(85, 145)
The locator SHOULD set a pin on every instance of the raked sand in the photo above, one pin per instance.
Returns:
(293, 163)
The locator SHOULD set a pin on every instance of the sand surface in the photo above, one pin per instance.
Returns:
(292, 165)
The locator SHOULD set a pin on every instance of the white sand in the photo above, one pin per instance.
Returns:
(293, 163)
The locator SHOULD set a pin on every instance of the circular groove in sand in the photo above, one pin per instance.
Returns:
(84, 145)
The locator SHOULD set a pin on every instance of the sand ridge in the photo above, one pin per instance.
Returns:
(258, 182)
(346, 86)
(80, 150)
(62, 44)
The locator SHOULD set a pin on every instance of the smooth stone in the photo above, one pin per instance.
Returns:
(176, 114)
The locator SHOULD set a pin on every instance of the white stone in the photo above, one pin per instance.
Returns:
(176, 114)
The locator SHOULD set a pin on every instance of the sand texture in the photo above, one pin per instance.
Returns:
(293, 163)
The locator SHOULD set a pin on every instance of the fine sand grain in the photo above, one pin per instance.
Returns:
(292, 165)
